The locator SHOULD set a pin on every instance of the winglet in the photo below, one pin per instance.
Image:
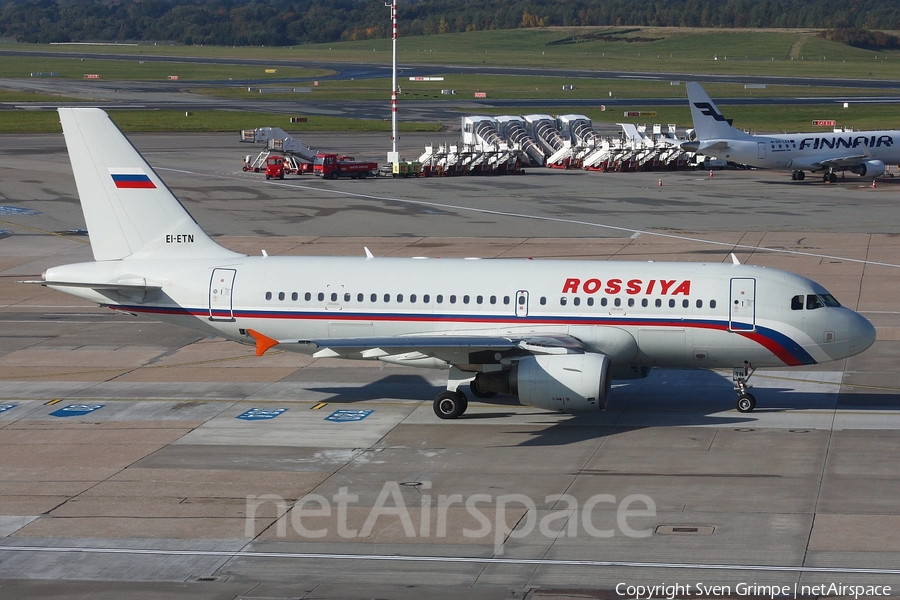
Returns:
(263, 342)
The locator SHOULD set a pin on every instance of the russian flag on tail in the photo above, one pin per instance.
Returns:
(131, 179)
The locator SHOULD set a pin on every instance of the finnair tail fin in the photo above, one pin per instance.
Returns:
(128, 209)
(709, 123)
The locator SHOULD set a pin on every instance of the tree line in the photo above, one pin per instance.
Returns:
(292, 22)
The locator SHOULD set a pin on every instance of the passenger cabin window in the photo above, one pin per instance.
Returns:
(294, 296)
(321, 296)
(307, 296)
(281, 295)
(268, 295)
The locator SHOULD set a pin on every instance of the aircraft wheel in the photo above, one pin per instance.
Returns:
(832, 178)
(450, 405)
(793, 175)
(745, 403)
(478, 392)
(801, 175)
(826, 178)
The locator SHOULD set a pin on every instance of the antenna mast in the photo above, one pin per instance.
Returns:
(394, 155)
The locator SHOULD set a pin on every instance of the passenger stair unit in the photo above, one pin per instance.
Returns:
(297, 154)
(515, 130)
(542, 129)
(485, 149)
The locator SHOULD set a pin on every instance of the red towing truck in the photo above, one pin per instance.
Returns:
(332, 166)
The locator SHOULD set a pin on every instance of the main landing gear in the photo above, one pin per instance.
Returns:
(450, 404)
(798, 175)
(745, 401)
(453, 403)
(830, 177)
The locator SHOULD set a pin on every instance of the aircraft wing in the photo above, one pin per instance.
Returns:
(842, 162)
(454, 349)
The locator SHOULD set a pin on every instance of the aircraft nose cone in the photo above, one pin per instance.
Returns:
(862, 334)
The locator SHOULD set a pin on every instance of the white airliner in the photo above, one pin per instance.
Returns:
(553, 333)
(864, 153)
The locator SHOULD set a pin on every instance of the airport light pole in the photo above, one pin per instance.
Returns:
(393, 155)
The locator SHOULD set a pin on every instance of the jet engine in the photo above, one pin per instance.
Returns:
(869, 168)
(565, 383)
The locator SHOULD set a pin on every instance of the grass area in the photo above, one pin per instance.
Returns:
(744, 52)
(789, 53)
(130, 70)
(47, 121)
(15, 96)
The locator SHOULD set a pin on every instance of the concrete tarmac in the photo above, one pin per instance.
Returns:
(141, 460)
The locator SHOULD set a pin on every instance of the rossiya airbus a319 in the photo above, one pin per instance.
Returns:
(553, 333)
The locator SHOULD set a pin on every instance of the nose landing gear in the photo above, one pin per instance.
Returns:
(745, 402)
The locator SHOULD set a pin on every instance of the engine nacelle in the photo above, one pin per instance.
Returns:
(561, 382)
(869, 168)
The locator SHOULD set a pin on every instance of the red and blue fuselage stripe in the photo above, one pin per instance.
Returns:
(786, 349)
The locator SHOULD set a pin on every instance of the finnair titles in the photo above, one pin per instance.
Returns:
(864, 153)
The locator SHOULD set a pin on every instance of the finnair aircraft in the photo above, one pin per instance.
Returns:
(864, 153)
(552, 333)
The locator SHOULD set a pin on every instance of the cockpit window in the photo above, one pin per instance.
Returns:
(829, 300)
(814, 301)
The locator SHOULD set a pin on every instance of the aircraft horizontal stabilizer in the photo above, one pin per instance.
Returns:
(136, 285)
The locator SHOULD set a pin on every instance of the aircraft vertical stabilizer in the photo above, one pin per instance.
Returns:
(709, 123)
(128, 209)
